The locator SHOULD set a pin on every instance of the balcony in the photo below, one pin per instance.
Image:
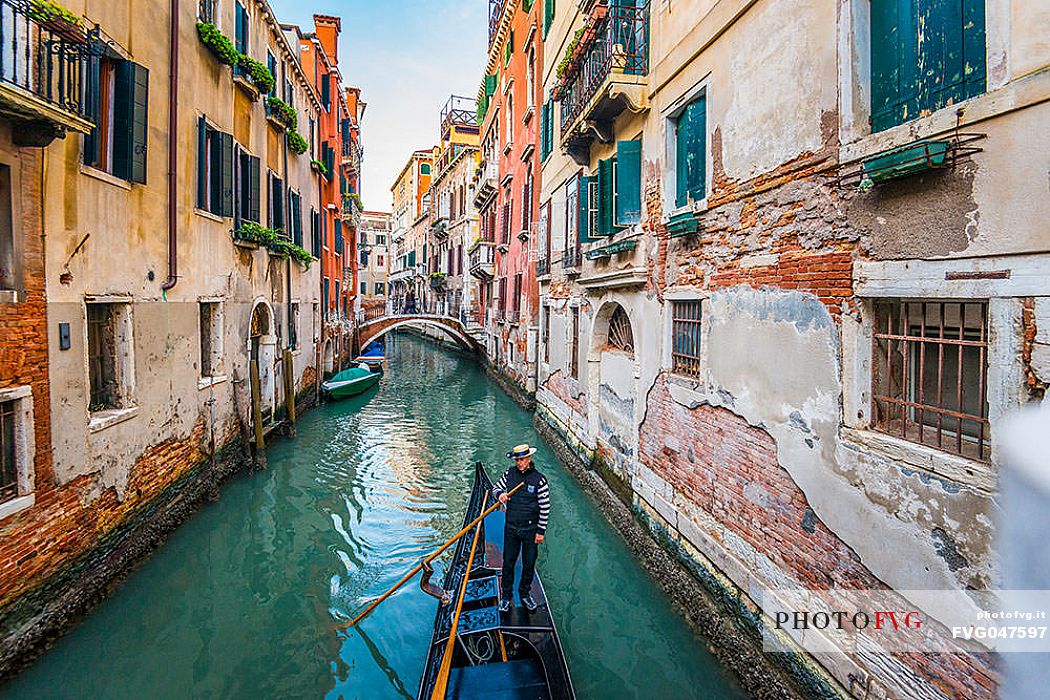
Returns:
(543, 267)
(351, 160)
(483, 260)
(41, 67)
(486, 189)
(352, 209)
(440, 228)
(570, 260)
(606, 73)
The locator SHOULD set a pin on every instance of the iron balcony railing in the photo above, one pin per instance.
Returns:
(543, 267)
(621, 45)
(570, 258)
(351, 209)
(43, 54)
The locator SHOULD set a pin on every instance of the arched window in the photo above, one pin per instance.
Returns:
(620, 335)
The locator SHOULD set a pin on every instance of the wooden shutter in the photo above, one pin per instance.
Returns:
(202, 163)
(894, 58)
(326, 90)
(241, 28)
(130, 107)
(691, 152)
(225, 165)
(606, 190)
(91, 111)
(628, 182)
(254, 188)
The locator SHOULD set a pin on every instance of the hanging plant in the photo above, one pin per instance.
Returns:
(259, 75)
(57, 19)
(319, 167)
(283, 111)
(296, 143)
(273, 241)
(218, 43)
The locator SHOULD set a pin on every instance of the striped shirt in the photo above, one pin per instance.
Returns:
(530, 506)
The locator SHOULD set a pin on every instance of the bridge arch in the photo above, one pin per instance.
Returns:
(450, 326)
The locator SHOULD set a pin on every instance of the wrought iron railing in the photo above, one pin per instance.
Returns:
(543, 267)
(570, 258)
(43, 54)
(621, 45)
(351, 209)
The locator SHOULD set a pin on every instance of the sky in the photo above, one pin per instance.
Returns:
(408, 57)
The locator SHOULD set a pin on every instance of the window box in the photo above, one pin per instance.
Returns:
(610, 250)
(684, 224)
(910, 159)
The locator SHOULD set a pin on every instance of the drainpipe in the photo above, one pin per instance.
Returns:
(173, 151)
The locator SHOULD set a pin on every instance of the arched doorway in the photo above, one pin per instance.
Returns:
(329, 357)
(263, 350)
(613, 375)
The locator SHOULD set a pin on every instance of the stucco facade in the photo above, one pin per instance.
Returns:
(408, 267)
(762, 448)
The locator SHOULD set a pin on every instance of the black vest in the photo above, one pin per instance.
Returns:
(523, 509)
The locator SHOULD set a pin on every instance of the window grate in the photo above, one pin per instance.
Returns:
(930, 378)
(620, 335)
(8, 467)
(685, 337)
(574, 349)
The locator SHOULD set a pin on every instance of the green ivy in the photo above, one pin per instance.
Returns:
(47, 11)
(297, 143)
(320, 166)
(218, 43)
(273, 241)
(258, 73)
(284, 111)
(566, 60)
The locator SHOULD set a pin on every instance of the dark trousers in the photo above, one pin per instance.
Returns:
(514, 542)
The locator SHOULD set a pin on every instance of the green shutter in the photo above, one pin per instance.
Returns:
(548, 16)
(254, 186)
(130, 105)
(490, 85)
(202, 163)
(508, 50)
(226, 174)
(91, 98)
(606, 191)
(691, 153)
(628, 182)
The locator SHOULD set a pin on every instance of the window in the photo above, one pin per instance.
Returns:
(214, 170)
(690, 152)
(8, 451)
(276, 209)
(507, 213)
(271, 63)
(620, 335)
(211, 338)
(424, 169)
(930, 374)
(517, 297)
(116, 98)
(206, 11)
(526, 203)
(315, 233)
(326, 91)
(240, 37)
(364, 288)
(247, 186)
(574, 344)
(10, 277)
(380, 239)
(508, 49)
(338, 237)
(502, 298)
(548, 16)
(110, 363)
(380, 261)
(293, 327)
(380, 288)
(510, 119)
(685, 337)
(572, 213)
(325, 293)
(530, 77)
(925, 54)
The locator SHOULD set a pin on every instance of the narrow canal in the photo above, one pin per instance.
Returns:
(241, 602)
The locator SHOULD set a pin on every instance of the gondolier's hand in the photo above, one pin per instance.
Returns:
(539, 538)
(503, 498)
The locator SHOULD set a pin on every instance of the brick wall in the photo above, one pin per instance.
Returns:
(729, 470)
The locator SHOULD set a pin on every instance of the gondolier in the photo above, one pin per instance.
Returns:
(526, 524)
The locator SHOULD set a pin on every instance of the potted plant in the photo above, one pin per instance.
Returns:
(282, 112)
(437, 280)
(320, 167)
(218, 43)
(257, 73)
(57, 20)
(296, 143)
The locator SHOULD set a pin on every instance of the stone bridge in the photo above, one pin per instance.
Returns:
(452, 326)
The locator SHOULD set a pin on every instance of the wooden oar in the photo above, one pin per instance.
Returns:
(441, 685)
(430, 558)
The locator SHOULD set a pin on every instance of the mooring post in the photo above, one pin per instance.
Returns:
(289, 390)
(260, 441)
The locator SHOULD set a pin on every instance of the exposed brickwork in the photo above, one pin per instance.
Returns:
(729, 469)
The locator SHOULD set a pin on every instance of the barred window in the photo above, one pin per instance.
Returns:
(8, 465)
(620, 335)
(685, 337)
(930, 374)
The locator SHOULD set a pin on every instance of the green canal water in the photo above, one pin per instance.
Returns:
(241, 601)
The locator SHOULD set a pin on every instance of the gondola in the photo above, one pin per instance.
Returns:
(516, 655)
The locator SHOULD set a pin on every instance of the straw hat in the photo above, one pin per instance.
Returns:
(521, 451)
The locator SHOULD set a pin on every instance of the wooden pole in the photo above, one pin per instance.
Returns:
(289, 388)
(441, 686)
(260, 441)
(427, 560)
